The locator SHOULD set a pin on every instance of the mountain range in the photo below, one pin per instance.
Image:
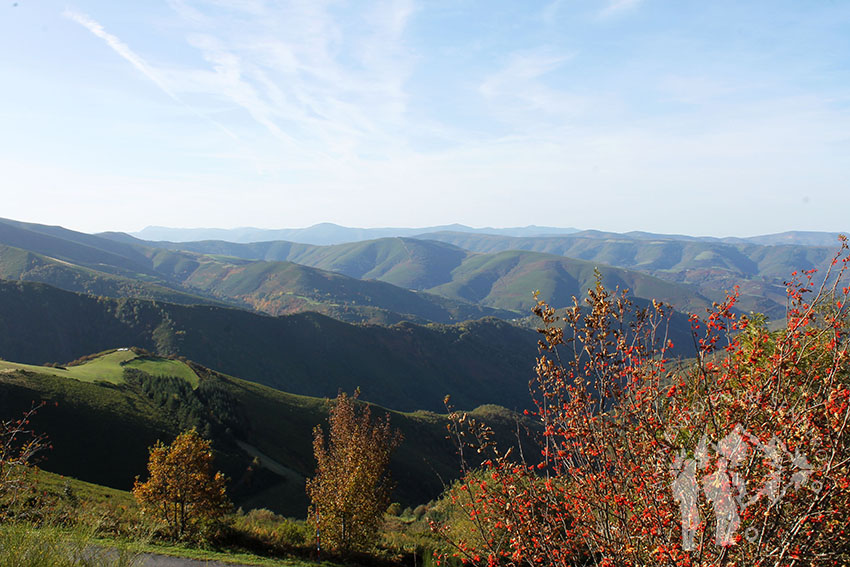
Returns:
(160, 329)
(379, 281)
(330, 233)
(325, 233)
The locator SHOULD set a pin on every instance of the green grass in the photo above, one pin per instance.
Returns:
(93, 494)
(75, 515)
(110, 368)
(106, 368)
(23, 545)
(163, 367)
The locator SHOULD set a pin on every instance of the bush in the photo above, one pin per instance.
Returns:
(741, 458)
(266, 530)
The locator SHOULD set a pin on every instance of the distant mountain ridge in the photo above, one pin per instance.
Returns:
(443, 276)
(325, 233)
(792, 237)
(329, 233)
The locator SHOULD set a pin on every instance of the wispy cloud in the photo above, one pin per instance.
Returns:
(121, 49)
(519, 93)
(326, 79)
(140, 64)
(521, 69)
(617, 7)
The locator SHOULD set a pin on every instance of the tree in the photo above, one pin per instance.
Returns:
(740, 458)
(182, 492)
(351, 489)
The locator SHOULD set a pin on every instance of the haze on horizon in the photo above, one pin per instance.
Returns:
(700, 118)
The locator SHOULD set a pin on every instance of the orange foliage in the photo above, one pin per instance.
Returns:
(741, 457)
(351, 489)
(182, 492)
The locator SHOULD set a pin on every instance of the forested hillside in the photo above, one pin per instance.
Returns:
(405, 366)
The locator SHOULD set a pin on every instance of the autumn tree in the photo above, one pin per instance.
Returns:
(182, 491)
(741, 457)
(351, 488)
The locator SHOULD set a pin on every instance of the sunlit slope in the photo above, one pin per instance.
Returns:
(279, 288)
(25, 265)
(710, 266)
(405, 262)
(109, 367)
(77, 248)
(507, 279)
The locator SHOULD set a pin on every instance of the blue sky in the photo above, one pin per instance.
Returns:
(711, 118)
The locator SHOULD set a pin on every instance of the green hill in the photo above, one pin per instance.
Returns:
(279, 288)
(75, 248)
(419, 280)
(504, 279)
(101, 427)
(405, 262)
(109, 367)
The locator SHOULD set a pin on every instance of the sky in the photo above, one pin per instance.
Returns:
(721, 118)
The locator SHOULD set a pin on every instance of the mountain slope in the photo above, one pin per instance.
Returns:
(279, 288)
(404, 366)
(340, 281)
(711, 267)
(24, 265)
(507, 279)
(405, 262)
(101, 431)
(75, 247)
